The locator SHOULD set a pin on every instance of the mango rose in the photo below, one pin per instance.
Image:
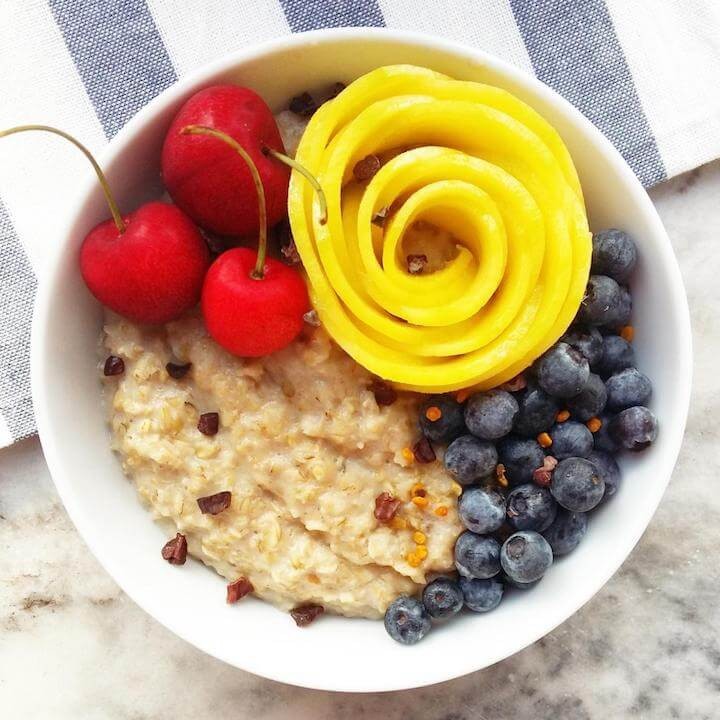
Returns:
(475, 164)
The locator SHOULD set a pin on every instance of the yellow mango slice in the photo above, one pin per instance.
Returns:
(482, 167)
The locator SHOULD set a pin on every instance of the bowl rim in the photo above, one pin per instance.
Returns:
(672, 435)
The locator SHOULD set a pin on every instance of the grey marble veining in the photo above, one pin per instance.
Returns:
(73, 646)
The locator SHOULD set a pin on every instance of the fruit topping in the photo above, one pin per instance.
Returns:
(441, 418)
(571, 439)
(208, 179)
(490, 415)
(147, 265)
(526, 556)
(469, 459)
(634, 428)
(563, 371)
(614, 254)
(577, 485)
(407, 620)
(477, 556)
(442, 598)
(481, 510)
(530, 507)
(397, 155)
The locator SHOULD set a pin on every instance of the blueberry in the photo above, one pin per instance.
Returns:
(469, 459)
(481, 595)
(477, 556)
(442, 597)
(562, 371)
(530, 507)
(490, 415)
(587, 340)
(526, 556)
(602, 438)
(577, 484)
(591, 400)
(537, 411)
(481, 510)
(602, 303)
(614, 254)
(520, 457)
(570, 439)
(627, 388)
(566, 532)
(634, 428)
(608, 469)
(406, 620)
(617, 354)
(448, 426)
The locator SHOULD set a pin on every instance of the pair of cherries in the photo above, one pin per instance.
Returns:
(224, 167)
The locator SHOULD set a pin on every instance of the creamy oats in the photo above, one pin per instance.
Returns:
(304, 449)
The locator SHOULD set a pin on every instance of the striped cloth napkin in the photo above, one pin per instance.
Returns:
(645, 72)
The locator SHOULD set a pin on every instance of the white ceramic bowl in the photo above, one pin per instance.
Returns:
(335, 653)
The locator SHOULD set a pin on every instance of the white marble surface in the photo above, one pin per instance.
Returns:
(73, 646)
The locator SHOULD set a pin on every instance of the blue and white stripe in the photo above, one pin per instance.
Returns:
(575, 50)
(118, 53)
(644, 72)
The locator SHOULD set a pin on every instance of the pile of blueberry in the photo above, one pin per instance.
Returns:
(533, 463)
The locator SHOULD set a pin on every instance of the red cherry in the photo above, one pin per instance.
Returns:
(153, 271)
(207, 179)
(147, 266)
(249, 316)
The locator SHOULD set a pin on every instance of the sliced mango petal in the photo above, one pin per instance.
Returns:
(488, 171)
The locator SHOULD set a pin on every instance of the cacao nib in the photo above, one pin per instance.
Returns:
(214, 504)
(380, 216)
(238, 590)
(385, 394)
(178, 371)
(175, 550)
(289, 254)
(367, 167)
(305, 614)
(303, 105)
(114, 365)
(423, 451)
(209, 423)
(416, 264)
(385, 507)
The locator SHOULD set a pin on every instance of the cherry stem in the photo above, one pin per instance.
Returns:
(295, 165)
(258, 271)
(114, 210)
